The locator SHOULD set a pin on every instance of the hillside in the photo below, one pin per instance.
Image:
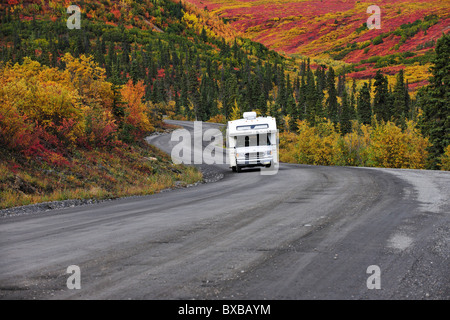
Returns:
(184, 56)
(76, 104)
(335, 30)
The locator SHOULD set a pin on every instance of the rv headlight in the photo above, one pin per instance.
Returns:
(269, 153)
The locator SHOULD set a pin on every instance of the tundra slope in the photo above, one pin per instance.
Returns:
(306, 233)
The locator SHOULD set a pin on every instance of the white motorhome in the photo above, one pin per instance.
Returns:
(252, 142)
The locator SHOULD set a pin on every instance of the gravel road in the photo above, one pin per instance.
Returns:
(308, 232)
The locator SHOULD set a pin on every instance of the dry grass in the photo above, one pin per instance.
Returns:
(95, 174)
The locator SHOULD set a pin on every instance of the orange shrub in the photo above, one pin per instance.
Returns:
(220, 118)
(136, 117)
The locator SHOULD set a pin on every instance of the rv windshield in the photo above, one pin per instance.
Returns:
(253, 141)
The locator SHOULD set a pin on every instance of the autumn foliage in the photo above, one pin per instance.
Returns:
(335, 31)
(445, 160)
(381, 145)
(60, 138)
(135, 110)
(316, 145)
(46, 112)
(213, 26)
(40, 109)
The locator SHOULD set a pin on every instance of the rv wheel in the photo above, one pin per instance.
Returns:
(234, 169)
(238, 169)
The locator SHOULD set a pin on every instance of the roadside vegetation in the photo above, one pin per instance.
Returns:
(383, 145)
(376, 125)
(126, 170)
(62, 140)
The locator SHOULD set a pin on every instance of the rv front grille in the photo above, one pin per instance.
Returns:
(252, 156)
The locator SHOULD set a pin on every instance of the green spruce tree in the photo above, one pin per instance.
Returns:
(434, 100)
(364, 108)
(332, 103)
(346, 115)
(381, 107)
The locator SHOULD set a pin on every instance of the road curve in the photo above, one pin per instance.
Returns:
(308, 232)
